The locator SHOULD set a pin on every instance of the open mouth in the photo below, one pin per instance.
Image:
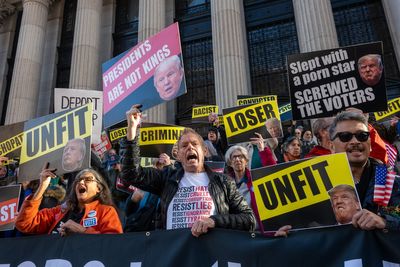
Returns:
(82, 190)
(191, 157)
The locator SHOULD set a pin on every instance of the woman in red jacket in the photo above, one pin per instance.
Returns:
(88, 209)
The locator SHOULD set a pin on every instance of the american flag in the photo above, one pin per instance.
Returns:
(392, 154)
(384, 180)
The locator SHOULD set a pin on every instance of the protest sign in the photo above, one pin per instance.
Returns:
(296, 193)
(9, 197)
(62, 139)
(116, 134)
(322, 83)
(393, 109)
(242, 122)
(128, 78)
(243, 100)
(157, 138)
(103, 146)
(285, 112)
(65, 98)
(200, 113)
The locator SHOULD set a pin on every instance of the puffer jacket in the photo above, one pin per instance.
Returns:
(231, 208)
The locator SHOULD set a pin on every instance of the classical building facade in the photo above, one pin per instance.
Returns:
(230, 47)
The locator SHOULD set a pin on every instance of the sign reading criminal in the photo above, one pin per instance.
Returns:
(325, 82)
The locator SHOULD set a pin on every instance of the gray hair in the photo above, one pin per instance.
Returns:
(174, 60)
(272, 120)
(376, 57)
(321, 124)
(346, 116)
(232, 149)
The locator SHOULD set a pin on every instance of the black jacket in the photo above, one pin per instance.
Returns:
(231, 208)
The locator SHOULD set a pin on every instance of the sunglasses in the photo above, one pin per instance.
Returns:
(347, 136)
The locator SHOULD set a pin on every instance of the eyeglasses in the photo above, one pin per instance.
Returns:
(87, 179)
(237, 157)
(347, 136)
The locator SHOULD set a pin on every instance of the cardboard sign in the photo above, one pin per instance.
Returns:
(296, 192)
(200, 113)
(9, 198)
(158, 138)
(128, 78)
(393, 109)
(243, 121)
(62, 139)
(65, 98)
(103, 146)
(322, 83)
(243, 100)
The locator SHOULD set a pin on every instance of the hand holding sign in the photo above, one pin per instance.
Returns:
(45, 177)
(258, 141)
(133, 116)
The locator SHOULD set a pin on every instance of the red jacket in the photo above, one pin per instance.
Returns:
(31, 220)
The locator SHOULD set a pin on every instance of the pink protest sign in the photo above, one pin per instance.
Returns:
(148, 74)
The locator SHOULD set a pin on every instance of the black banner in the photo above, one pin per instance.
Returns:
(322, 83)
(333, 246)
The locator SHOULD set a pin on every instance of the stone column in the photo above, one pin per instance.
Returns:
(49, 68)
(7, 36)
(392, 11)
(315, 25)
(152, 20)
(85, 64)
(230, 54)
(24, 89)
(107, 29)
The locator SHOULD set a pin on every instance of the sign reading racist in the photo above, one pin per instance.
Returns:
(243, 121)
(322, 83)
(62, 139)
(296, 193)
(243, 100)
(157, 138)
(393, 109)
(200, 113)
(149, 74)
(65, 99)
(9, 197)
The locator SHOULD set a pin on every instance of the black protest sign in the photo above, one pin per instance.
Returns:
(9, 198)
(157, 138)
(200, 113)
(62, 139)
(242, 122)
(296, 193)
(322, 83)
(216, 166)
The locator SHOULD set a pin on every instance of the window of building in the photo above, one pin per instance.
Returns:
(126, 25)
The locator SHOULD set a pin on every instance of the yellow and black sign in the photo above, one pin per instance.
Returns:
(393, 108)
(295, 193)
(158, 138)
(11, 139)
(243, 121)
(117, 134)
(11, 144)
(251, 100)
(200, 113)
(45, 139)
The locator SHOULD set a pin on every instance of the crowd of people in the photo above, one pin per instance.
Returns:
(183, 192)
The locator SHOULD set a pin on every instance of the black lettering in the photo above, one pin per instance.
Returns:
(321, 168)
(71, 128)
(143, 136)
(32, 142)
(298, 184)
(64, 105)
(269, 199)
(285, 190)
(47, 136)
(268, 110)
(80, 113)
(311, 181)
(260, 114)
(252, 119)
(241, 121)
(163, 134)
(60, 125)
(231, 126)
(150, 136)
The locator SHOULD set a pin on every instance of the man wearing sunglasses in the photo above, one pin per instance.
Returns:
(349, 133)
